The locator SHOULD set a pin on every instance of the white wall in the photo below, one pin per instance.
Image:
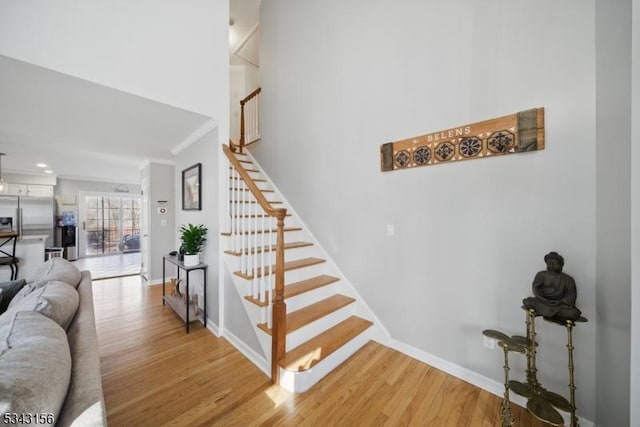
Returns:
(238, 90)
(340, 79)
(204, 151)
(613, 210)
(635, 216)
(160, 226)
(171, 52)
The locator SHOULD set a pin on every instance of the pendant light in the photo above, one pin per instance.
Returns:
(3, 185)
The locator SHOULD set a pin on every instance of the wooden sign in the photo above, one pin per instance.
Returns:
(516, 133)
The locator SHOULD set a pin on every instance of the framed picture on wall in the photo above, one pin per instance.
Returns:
(192, 188)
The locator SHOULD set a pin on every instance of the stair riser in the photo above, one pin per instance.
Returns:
(296, 338)
(299, 382)
(261, 185)
(289, 236)
(270, 223)
(270, 257)
(291, 276)
(305, 273)
(310, 297)
(254, 208)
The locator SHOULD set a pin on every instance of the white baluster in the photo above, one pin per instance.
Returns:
(232, 209)
(228, 225)
(243, 230)
(263, 291)
(251, 120)
(249, 238)
(256, 280)
(256, 126)
(271, 262)
(236, 209)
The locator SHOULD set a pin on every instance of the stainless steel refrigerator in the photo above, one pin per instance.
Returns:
(28, 216)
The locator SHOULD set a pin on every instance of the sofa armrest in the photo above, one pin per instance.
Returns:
(84, 405)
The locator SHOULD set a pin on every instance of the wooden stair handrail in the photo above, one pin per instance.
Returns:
(250, 96)
(264, 203)
(279, 313)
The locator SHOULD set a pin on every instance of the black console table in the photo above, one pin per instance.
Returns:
(176, 303)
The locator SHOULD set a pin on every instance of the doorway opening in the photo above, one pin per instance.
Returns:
(110, 224)
(109, 238)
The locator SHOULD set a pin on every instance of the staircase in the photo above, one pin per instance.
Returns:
(306, 316)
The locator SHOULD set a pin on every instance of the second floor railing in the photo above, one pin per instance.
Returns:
(250, 119)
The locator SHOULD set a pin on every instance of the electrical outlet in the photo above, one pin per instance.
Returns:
(489, 343)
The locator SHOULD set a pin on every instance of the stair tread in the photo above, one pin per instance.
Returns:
(246, 189)
(272, 248)
(254, 216)
(273, 202)
(247, 170)
(253, 179)
(315, 311)
(310, 353)
(303, 286)
(289, 265)
(297, 288)
(228, 233)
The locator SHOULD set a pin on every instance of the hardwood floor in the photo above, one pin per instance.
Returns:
(154, 374)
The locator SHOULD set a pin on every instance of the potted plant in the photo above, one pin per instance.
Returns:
(193, 238)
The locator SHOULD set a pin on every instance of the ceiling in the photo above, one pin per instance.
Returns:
(83, 130)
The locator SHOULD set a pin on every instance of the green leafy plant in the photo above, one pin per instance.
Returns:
(193, 238)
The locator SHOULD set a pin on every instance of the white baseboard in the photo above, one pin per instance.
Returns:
(213, 328)
(156, 282)
(247, 352)
(485, 383)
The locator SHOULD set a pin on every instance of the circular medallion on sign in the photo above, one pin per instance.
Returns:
(422, 155)
(444, 151)
(501, 141)
(402, 159)
(470, 147)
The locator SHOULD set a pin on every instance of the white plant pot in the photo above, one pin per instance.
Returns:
(191, 260)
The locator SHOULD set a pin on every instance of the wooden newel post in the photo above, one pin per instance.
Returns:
(279, 331)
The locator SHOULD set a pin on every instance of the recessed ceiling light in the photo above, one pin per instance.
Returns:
(41, 165)
(48, 171)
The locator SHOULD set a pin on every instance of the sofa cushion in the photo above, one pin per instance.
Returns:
(56, 269)
(35, 365)
(56, 300)
(9, 290)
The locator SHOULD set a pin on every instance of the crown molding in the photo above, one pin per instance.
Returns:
(195, 136)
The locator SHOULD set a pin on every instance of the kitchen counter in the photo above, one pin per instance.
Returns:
(30, 251)
(42, 237)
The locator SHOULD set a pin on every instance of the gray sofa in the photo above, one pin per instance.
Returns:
(49, 360)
